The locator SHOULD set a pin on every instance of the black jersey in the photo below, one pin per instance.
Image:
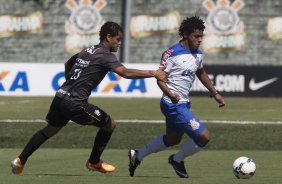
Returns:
(89, 68)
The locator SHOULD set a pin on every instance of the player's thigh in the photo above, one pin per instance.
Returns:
(89, 114)
(189, 124)
(171, 114)
(55, 115)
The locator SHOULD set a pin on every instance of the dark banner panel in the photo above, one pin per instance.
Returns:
(249, 81)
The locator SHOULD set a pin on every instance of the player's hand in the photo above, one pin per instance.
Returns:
(161, 75)
(220, 100)
(174, 98)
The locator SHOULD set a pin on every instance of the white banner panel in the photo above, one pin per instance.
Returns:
(38, 79)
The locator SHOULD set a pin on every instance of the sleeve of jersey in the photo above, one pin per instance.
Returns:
(112, 62)
(168, 65)
(201, 66)
(166, 61)
(201, 63)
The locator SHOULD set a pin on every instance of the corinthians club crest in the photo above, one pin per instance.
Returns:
(225, 30)
(83, 24)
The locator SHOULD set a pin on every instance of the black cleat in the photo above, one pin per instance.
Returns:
(133, 161)
(179, 168)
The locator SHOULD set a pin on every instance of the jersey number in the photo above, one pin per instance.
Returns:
(76, 74)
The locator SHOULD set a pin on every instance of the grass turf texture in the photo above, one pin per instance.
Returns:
(68, 166)
(255, 109)
(224, 136)
(126, 135)
(213, 165)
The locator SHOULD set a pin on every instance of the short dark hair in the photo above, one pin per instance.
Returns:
(190, 24)
(111, 28)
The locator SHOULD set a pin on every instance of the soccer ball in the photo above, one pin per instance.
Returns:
(244, 168)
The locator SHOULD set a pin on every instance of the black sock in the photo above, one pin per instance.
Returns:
(101, 141)
(34, 143)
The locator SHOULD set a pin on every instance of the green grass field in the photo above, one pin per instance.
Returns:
(62, 158)
(59, 166)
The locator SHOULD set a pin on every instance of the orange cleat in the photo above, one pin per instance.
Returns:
(102, 167)
(17, 166)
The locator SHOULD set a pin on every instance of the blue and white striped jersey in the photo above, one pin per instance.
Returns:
(181, 65)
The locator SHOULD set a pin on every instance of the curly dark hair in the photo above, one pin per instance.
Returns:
(190, 24)
(111, 28)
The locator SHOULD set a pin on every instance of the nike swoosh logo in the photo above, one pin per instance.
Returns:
(257, 85)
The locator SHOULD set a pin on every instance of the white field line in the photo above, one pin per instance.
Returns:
(156, 121)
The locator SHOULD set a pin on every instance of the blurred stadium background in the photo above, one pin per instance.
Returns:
(242, 53)
(242, 42)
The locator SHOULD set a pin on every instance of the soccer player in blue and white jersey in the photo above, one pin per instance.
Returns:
(182, 62)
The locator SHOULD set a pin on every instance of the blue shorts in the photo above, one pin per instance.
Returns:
(179, 119)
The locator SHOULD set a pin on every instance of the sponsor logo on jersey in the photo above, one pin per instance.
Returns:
(82, 63)
(187, 73)
(83, 24)
(166, 55)
(224, 29)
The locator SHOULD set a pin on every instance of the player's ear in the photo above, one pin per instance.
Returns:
(108, 37)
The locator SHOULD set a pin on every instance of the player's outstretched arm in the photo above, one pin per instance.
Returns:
(135, 73)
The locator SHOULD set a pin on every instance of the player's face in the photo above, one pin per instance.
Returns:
(114, 42)
(195, 39)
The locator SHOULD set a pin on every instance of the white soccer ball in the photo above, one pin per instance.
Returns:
(244, 168)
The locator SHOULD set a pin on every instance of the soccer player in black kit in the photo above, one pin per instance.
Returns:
(83, 72)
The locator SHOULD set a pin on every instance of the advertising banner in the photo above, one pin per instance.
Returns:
(11, 25)
(146, 25)
(38, 79)
(249, 81)
(32, 79)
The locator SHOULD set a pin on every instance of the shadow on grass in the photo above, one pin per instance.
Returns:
(107, 175)
(55, 174)
(127, 176)
(154, 177)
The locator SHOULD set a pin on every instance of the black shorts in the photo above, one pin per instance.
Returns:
(62, 110)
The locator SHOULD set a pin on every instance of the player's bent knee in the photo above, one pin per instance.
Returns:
(203, 139)
(111, 125)
(50, 130)
(171, 141)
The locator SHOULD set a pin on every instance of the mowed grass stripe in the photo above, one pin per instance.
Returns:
(205, 108)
